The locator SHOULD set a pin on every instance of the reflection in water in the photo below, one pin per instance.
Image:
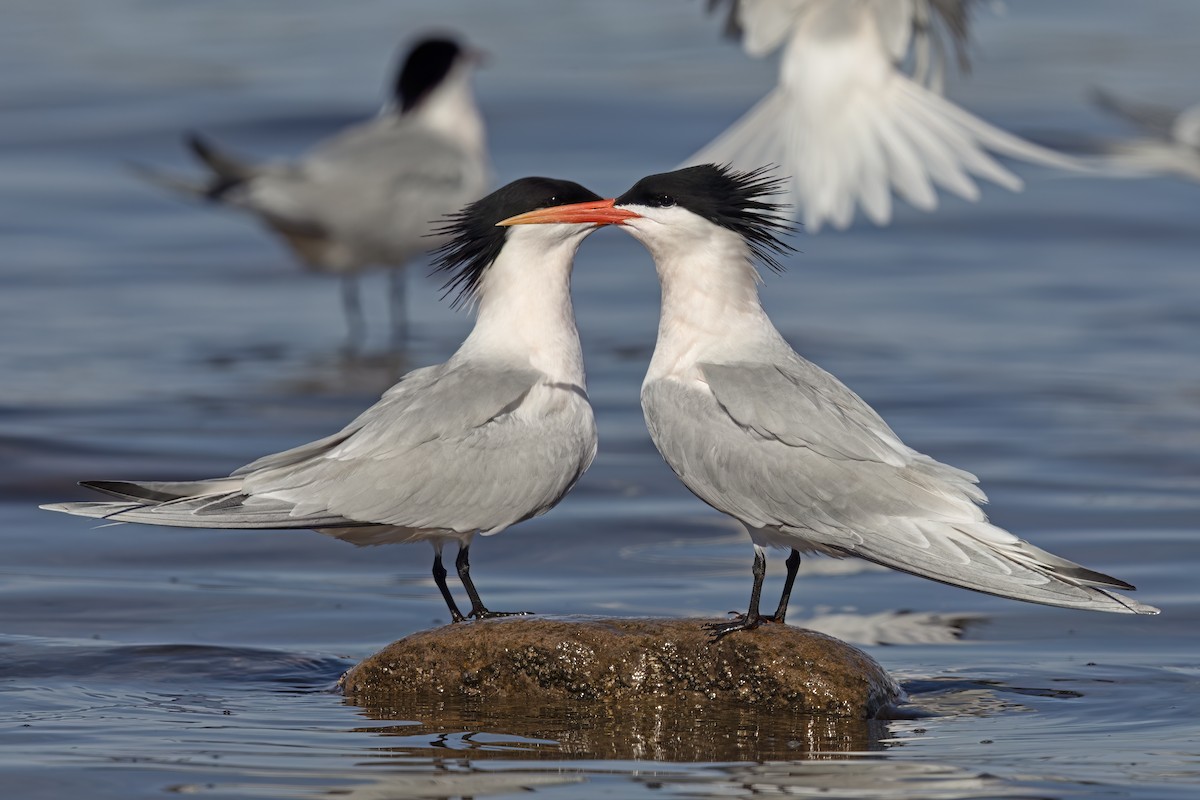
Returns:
(422, 780)
(859, 778)
(949, 697)
(893, 627)
(669, 732)
(336, 374)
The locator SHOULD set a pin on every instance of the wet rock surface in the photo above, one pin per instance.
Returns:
(626, 662)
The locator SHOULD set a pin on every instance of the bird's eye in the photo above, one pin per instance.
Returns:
(664, 201)
(553, 201)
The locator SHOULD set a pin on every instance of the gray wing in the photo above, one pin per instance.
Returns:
(770, 400)
(375, 189)
(459, 450)
(788, 447)
(453, 447)
(392, 153)
(774, 451)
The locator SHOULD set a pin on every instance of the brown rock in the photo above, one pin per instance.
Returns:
(624, 664)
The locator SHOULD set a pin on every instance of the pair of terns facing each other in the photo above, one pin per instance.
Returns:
(503, 430)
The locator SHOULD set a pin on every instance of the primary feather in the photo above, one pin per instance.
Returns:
(847, 123)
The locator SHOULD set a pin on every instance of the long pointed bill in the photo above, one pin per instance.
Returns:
(599, 212)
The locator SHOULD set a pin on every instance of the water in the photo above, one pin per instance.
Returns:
(1046, 341)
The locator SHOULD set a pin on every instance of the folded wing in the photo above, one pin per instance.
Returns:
(445, 449)
(789, 448)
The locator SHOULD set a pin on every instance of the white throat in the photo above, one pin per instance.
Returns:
(524, 309)
(710, 305)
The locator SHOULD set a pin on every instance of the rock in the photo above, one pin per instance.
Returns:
(626, 663)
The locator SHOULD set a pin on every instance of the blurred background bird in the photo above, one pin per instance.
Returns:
(368, 195)
(857, 114)
(1170, 140)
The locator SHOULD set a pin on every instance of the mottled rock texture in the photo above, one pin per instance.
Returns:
(627, 662)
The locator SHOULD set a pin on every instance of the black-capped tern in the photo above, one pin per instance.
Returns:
(371, 194)
(497, 434)
(769, 438)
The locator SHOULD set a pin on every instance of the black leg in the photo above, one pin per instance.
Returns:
(478, 611)
(439, 577)
(752, 618)
(355, 325)
(793, 564)
(399, 309)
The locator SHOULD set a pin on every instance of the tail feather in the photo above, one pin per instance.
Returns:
(899, 137)
(226, 172)
(223, 165)
(217, 503)
(984, 558)
(176, 183)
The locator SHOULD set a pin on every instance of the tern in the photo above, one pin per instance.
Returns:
(496, 435)
(369, 195)
(1171, 144)
(850, 125)
(780, 445)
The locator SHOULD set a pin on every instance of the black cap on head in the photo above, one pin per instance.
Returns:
(427, 65)
(725, 197)
(476, 240)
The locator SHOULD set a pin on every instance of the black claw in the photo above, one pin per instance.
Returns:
(743, 623)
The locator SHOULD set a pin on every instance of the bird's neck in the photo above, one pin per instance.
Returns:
(710, 309)
(524, 311)
(450, 110)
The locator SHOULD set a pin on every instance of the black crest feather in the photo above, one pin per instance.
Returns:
(734, 200)
(475, 241)
(426, 66)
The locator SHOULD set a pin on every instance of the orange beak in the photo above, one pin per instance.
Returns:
(599, 212)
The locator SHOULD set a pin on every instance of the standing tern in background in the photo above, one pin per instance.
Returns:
(759, 433)
(496, 435)
(370, 195)
(1172, 143)
(849, 124)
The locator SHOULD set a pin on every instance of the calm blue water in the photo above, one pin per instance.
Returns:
(1046, 341)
